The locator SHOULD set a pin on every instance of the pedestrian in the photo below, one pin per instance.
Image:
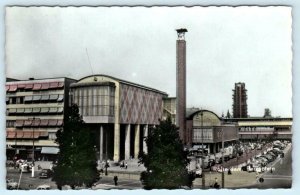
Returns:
(216, 185)
(116, 180)
(257, 176)
(126, 165)
(229, 172)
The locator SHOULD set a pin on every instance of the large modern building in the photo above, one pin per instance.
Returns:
(119, 112)
(35, 110)
(239, 106)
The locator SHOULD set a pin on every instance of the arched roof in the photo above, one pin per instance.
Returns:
(123, 82)
(193, 111)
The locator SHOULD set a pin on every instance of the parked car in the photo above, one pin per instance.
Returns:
(46, 173)
(43, 187)
(11, 184)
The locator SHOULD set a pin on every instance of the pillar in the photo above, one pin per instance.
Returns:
(136, 141)
(116, 142)
(127, 142)
(145, 134)
(101, 144)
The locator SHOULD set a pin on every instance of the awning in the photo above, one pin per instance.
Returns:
(19, 123)
(44, 110)
(53, 97)
(28, 110)
(53, 110)
(36, 97)
(21, 86)
(36, 123)
(37, 86)
(28, 123)
(59, 122)
(27, 134)
(10, 134)
(45, 97)
(53, 85)
(29, 86)
(52, 122)
(19, 134)
(28, 98)
(44, 122)
(13, 88)
(49, 150)
(60, 98)
(60, 84)
(45, 86)
(36, 110)
(12, 110)
(7, 87)
(20, 110)
(60, 110)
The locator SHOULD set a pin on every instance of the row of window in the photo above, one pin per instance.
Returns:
(96, 110)
(35, 99)
(33, 86)
(37, 110)
(207, 134)
(39, 123)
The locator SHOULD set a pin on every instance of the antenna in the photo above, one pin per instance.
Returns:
(87, 53)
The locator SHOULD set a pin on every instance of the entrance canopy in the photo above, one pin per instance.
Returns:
(49, 150)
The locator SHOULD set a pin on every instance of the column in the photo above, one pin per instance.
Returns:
(145, 134)
(127, 142)
(117, 142)
(136, 141)
(101, 144)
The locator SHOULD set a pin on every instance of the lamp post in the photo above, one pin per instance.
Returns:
(32, 168)
(106, 163)
(223, 177)
(202, 164)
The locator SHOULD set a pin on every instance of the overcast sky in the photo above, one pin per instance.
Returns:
(224, 45)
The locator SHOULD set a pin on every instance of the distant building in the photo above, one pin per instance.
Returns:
(170, 108)
(35, 110)
(260, 128)
(239, 107)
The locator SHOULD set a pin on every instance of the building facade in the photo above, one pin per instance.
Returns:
(207, 128)
(239, 106)
(260, 128)
(35, 110)
(119, 112)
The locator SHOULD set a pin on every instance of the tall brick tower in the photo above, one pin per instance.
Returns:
(181, 82)
(239, 97)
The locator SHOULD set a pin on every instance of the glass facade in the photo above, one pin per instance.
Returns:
(94, 100)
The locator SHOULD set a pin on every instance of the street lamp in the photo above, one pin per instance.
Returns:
(202, 164)
(32, 168)
(106, 163)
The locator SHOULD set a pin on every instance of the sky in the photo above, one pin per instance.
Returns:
(225, 45)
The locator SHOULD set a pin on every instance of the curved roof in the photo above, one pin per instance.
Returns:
(190, 112)
(125, 82)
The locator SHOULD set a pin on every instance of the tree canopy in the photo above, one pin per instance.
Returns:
(166, 161)
(76, 165)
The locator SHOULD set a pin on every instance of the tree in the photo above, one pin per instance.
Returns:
(166, 161)
(76, 164)
(267, 113)
(228, 114)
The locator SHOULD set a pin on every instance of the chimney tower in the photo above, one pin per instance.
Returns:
(181, 83)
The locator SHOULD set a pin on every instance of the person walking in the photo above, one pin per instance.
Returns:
(116, 180)
(126, 165)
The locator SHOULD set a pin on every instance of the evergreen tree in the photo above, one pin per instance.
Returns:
(76, 164)
(267, 113)
(166, 161)
(228, 114)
